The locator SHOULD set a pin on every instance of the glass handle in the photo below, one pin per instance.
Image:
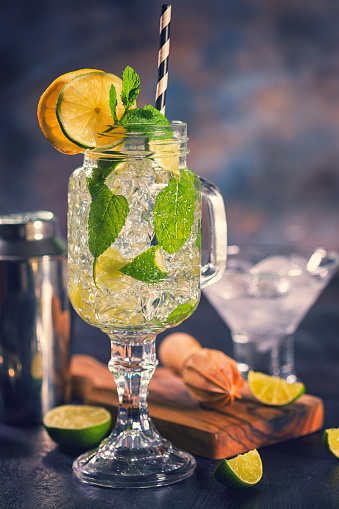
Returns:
(213, 270)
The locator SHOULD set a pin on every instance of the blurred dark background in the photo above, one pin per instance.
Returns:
(256, 81)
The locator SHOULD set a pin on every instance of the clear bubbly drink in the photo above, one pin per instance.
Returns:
(100, 292)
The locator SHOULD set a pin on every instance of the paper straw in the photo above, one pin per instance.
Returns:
(164, 44)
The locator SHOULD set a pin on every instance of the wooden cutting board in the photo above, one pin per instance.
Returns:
(213, 434)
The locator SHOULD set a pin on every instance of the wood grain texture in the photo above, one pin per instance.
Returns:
(215, 434)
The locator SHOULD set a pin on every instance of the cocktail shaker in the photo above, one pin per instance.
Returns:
(34, 317)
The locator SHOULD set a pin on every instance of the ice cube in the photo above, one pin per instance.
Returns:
(270, 278)
(279, 264)
(267, 286)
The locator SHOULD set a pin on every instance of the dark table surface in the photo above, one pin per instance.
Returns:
(298, 474)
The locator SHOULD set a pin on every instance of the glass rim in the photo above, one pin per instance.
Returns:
(157, 134)
(313, 255)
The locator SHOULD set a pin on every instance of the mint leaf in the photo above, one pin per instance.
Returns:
(148, 114)
(146, 267)
(173, 214)
(188, 174)
(144, 120)
(182, 312)
(99, 175)
(130, 87)
(107, 216)
(158, 117)
(113, 102)
(94, 185)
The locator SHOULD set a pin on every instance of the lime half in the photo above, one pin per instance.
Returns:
(47, 115)
(83, 108)
(243, 471)
(77, 425)
(107, 270)
(272, 390)
(331, 441)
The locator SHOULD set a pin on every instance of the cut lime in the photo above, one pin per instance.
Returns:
(47, 115)
(166, 154)
(331, 441)
(243, 471)
(79, 295)
(83, 108)
(182, 312)
(147, 267)
(107, 270)
(109, 137)
(77, 425)
(272, 390)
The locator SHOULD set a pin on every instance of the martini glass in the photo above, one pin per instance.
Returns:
(144, 205)
(263, 296)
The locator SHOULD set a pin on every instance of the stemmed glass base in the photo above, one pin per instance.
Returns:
(134, 455)
(121, 467)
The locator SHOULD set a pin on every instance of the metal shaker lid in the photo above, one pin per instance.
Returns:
(30, 234)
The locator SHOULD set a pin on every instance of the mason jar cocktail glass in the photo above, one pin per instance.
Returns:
(134, 242)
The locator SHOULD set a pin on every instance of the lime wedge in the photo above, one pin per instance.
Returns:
(331, 441)
(77, 425)
(243, 471)
(79, 295)
(107, 270)
(166, 154)
(182, 312)
(147, 267)
(83, 108)
(272, 390)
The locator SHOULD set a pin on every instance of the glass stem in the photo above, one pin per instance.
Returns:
(273, 355)
(133, 362)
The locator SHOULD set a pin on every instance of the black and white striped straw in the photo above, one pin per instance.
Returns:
(164, 44)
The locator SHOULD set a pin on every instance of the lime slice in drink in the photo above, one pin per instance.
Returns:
(243, 471)
(331, 441)
(272, 390)
(83, 108)
(181, 312)
(77, 425)
(147, 267)
(107, 270)
(166, 154)
(79, 295)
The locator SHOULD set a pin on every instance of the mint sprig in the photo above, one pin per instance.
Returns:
(137, 119)
(130, 87)
(129, 93)
(144, 120)
(173, 213)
